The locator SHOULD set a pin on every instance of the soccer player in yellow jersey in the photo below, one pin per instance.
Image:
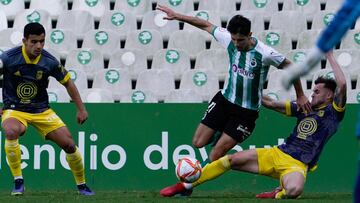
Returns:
(288, 162)
(26, 70)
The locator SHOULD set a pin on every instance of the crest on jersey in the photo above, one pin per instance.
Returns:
(39, 75)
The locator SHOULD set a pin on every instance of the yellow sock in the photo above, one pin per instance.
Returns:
(76, 165)
(13, 154)
(281, 194)
(213, 170)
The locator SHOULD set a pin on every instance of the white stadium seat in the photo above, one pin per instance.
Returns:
(139, 96)
(121, 22)
(54, 7)
(147, 40)
(58, 95)
(32, 16)
(62, 41)
(97, 8)
(79, 22)
(11, 8)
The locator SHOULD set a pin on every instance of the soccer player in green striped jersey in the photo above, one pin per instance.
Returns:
(234, 110)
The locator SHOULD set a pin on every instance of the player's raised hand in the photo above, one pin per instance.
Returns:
(171, 15)
(303, 103)
(82, 116)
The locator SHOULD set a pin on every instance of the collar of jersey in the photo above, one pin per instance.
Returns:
(26, 57)
(256, 42)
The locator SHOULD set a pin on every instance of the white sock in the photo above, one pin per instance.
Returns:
(18, 177)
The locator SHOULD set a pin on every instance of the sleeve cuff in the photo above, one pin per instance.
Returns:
(338, 109)
(66, 78)
(288, 108)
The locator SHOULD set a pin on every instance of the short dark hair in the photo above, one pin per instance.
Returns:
(239, 25)
(33, 29)
(328, 83)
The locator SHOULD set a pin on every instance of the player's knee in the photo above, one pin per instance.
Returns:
(12, 132)
(294, 191)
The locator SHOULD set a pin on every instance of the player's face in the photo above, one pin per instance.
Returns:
(320, 95)
(241, 42)
(34, 45)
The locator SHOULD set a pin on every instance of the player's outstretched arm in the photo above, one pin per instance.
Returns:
(340, 91)
(197, 22)
(301, 100)
(73, 92)
(273, 105)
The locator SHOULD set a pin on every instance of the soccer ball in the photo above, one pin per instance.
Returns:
(188, 170)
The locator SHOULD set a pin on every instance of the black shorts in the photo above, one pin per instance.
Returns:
(234, 120)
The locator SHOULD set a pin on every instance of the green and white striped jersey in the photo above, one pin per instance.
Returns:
(247, 70)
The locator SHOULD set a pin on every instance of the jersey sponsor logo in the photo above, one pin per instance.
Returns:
(306, 128)
(243, 72)
(26, 91)
(117, 19)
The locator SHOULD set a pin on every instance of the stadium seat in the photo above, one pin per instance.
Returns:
(333, 5)
(293, 22)
(353, 96)
(3, 21)
(183, 6)
(32, 16)
(256, 17)
(175, 60)
(139, 96)
(134, 60)
(216, 60)
(348, 59)
(280, 95)
(62, 41)
(220, 6)
(299, 55)
(89, 60)
(322, 19)
(158, 81)
(274, 84)
(191, 42)
(106, 41)
(12, 7)
(78, 76)
(203, 81)
(277, 39)
(58, 95)
(307, 39)
(116, 80)
(138, 7)
(10, 37)
(121, 22)
(97, 8)
(351, 40)
(183, 96)
(154, 20)
(54, 53)
(148, 40)
(97, 95)
(308, 8)
(268, 8)
(79, 22)
(328, 73)
(211, 16)
(358, 82)
(53, 7)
